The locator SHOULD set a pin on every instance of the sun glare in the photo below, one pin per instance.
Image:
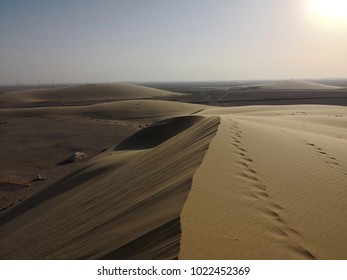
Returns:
(331, 9)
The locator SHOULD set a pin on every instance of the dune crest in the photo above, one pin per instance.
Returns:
(271, 186)
(113, 201)
(75, 94)
(192, 182)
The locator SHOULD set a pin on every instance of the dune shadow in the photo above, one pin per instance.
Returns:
(64, 162)
(10, 187)
(160, 243)
(157, 133)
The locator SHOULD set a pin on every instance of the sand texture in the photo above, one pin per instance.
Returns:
(273, 185)
(175, 180)
(113, 200)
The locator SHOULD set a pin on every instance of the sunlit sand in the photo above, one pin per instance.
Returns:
(177, 180)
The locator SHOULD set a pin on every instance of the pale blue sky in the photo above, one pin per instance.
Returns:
(133, 40)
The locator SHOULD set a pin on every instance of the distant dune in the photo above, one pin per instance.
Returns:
(297, 85)
(127, 111)
(194, 182)
(90, 92)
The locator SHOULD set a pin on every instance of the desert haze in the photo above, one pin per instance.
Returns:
(167, 175)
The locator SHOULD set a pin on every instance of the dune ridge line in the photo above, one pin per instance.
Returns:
(112, 201)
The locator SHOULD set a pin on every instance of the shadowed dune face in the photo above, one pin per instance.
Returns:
(57, 132)
(158, 133)
(161, 243)
(252, 182)
(112, 202)
(36, 145)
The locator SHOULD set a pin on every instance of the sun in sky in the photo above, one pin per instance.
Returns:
(331, 9)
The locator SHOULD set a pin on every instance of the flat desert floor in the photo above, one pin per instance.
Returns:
(167, 180)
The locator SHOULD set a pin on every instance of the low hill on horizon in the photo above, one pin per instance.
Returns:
(80, 93)
(297, 85)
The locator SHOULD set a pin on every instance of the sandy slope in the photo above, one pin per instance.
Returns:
(56, 132)
(40, 145)
(256, 182)
(296, 85)
(120, 197)
(128, 111)
(273, 185)
(90, 92)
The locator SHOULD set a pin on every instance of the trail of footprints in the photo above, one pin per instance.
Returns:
(260, 193)
(325, 157)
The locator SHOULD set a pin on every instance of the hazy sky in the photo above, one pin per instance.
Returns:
(169, 40)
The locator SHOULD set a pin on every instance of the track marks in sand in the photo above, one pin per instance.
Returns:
(259, 191)
(325, 156)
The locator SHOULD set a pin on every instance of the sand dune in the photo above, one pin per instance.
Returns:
(134, 111)
(116, 199)
(69, 95)
(271, 186)
(57, 132)
(297, 85)
(255, 182)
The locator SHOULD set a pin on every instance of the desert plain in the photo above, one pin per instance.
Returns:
(256, 171)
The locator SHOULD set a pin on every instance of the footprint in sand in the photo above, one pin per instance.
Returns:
(328, 159)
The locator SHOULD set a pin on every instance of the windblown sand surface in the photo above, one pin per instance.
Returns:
(115, 199)
(271, 186)
(38, 140)
(194, 182)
